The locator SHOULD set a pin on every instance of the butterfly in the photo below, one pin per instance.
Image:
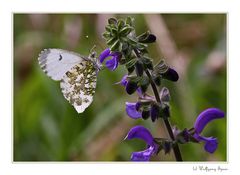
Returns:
(77, 74)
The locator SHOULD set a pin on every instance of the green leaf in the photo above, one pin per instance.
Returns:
(131, 63)
(160, 68)
(120, 24)
(115, 46)
(125, 31)
(108, 28)
(106, 35)
(132, 41)
(147, 62)
(112, 21)
(143, 36)
(114, 32)
(130, 69)
(129, 21)
(111, 41)
(141, 46)
(134, 79)
(144, 83)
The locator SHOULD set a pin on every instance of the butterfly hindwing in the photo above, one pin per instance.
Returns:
(56, 62)
(78, 85)
(78, 75)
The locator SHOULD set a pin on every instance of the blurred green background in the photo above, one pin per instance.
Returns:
(46, 126)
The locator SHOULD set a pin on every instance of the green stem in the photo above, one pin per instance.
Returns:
(176, 149)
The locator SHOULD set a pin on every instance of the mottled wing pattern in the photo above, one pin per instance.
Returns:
(56, 62)
(77, 74)
(78, 85)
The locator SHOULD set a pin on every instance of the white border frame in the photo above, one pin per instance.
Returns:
(111, 6)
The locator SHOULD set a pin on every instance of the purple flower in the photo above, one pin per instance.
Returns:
(111, 64)
(123, 81)
(202, 120)
(129, 86)
(142, 133)
(131, 109)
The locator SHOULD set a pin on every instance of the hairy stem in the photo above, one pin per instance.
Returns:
(176, 149)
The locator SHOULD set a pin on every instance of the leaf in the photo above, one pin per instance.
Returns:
(106, 35)
(108, 29)
(125, 31)
(143, 36)
(144, 83)
(115, 46)
(160, 68)
(131, 63)
(132, 41)
(120, 24)
(112, 21)
(147, 62)
(129, 21)
(111, 41)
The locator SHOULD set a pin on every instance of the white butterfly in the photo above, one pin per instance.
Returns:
(78, 74)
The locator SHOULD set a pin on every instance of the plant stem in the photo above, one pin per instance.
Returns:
(176, 149)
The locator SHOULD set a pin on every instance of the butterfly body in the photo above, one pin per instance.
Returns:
(77, 75)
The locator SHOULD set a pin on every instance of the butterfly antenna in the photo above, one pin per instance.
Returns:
(93, 48)
(100, 44)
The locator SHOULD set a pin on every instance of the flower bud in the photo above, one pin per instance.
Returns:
(165, 112)
(139, 68)
(145, 114)
(165, 95)
(131, 87)
(155, 111)
(170, 74)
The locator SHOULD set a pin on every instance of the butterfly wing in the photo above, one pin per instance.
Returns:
(56, 62)
(77, 74)
(78, 85)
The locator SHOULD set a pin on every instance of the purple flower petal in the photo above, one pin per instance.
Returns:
(115, 54)
(205, 117)
(138, 106)
(123, 81)
(211, 143)
(141, 133)
(104, 54)
(139, 92)
(143, 155)
(112, 64)
(132, 111)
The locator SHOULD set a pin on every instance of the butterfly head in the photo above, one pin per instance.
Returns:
(93, 58)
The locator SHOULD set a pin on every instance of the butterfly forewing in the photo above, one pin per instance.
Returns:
(56, 62)
(78, 75)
